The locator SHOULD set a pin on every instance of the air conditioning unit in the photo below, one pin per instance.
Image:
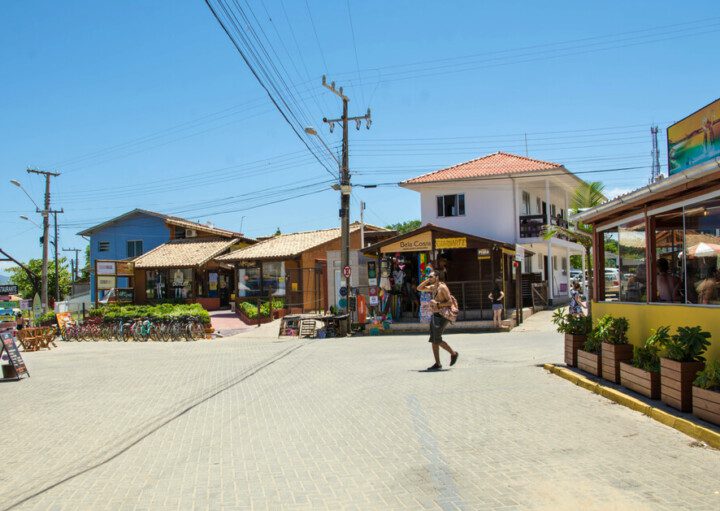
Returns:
(190, 233)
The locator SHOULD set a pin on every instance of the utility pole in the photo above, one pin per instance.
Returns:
(362, 224)
(345, 187)
(77, 261)
(46, 230)
(57, 273)
(655, 174)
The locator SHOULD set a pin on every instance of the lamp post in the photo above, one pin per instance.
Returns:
(23, 217)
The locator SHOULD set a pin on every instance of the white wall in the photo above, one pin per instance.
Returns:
(489, 208)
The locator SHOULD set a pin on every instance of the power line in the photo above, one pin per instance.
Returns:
(263, 85)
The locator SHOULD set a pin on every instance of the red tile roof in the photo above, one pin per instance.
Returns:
(496, 164)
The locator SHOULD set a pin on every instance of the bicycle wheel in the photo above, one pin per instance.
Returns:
(197, 331)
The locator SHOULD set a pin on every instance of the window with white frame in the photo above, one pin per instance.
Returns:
(525, 203)
(451, 205)
(538, 206)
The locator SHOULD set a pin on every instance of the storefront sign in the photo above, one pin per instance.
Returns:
(441, 243)
(695, 139)
(124, 295)
(105, 282)
(419, 243)
(125, 268)
(14, 357)
(104, 268)
(519, 253)
(483, 254)
(8, 289)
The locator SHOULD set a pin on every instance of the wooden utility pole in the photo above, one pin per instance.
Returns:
(46, 231)
(345, 186)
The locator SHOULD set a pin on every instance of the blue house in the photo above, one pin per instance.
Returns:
(126, 236)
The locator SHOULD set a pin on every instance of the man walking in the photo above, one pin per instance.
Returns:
(441, 301)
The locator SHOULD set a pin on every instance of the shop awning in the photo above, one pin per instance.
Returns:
(184, 253)
(431, 237)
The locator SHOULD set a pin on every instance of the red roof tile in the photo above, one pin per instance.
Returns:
(496, 164)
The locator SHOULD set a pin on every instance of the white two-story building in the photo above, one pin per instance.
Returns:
(509, 198)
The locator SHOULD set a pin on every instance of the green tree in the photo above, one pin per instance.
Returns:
(85, 271)
(586, 196)
(404, 227)
(25, 288)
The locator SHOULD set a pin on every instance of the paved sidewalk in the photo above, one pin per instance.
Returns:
(227, 323)
(260, 423)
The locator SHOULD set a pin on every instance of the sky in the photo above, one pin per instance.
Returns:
(148, 105)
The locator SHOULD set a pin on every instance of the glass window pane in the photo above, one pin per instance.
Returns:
(702, 252)
(249, 282)
(274, 278)
(155, 285)
(181, 284)
(450, 205)
(633, 274)
(440, 207)
(668, 251)
(461, 204)
(612, 273)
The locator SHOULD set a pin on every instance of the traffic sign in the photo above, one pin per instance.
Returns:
(343, 291)
(347, 271)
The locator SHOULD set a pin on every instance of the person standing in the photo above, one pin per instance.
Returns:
(496, 297)
(668, 285)
(441, 299)
(575, 307)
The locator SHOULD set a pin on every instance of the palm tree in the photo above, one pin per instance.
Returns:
(587, 195)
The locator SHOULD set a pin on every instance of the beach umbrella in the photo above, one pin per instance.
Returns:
(703, 249)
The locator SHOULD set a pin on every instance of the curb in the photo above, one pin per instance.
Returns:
(678, 423)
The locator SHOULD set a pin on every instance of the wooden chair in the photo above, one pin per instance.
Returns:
(29, 339)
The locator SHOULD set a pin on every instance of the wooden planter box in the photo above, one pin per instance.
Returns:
(643, 382)
(572, 344)
(676, 380)
(589, 362)
(706, 404)
(612, 355)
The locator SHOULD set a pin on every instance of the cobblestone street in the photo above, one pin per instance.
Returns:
(252, 422)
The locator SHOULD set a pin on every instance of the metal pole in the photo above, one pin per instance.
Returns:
(57, 273)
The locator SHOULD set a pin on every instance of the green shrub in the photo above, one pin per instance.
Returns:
(647, 357)
(688, 344)
(250, 310)
(571, 324)
(709, 378)
(47, 318)
(113, 313)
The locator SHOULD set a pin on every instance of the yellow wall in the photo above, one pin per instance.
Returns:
(643, 317)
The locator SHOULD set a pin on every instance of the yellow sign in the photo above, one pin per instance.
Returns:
(125, 268)
(451, 243)
(105, 282)
(293, 286)
(419, 243)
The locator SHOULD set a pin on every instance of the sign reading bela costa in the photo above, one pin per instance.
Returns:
(420, 243)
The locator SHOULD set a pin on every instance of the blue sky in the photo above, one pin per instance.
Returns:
(147, 104)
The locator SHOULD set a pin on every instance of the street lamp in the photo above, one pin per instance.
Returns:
(19, 185)
(313, 132)
(23, 217)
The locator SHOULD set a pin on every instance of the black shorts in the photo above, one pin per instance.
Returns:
(437, 326)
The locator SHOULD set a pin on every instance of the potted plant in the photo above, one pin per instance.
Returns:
(680, 366)
(706, 393)
(615, 347)
(643, 374)
(575, 329)
(589, 359)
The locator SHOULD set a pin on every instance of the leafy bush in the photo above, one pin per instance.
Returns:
(688, 344)
(611, 330)
(163, 312)
(47, 318)
(251, 310)
(571, 324)
(709, 378)
(647, 357)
